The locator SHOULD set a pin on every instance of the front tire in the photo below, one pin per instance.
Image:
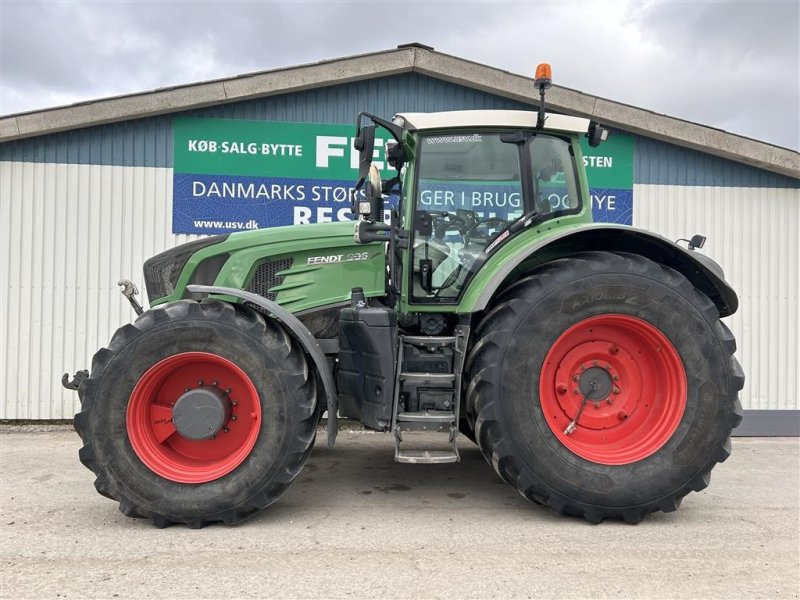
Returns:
(658, 359)
(224, 461)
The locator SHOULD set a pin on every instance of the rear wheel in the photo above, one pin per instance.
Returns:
(604, 385)
(196, 413)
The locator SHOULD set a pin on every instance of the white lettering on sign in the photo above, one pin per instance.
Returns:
(322, 214)
(602, 162)
(238, 147)
(559, 202)
(495, 199)
(475, 199)
(281, 150)
(334, 146)
(329, 146)
(607, 200)
(248, 191)
(202, 146)
(437, 198)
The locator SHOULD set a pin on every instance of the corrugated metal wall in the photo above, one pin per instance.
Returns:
(81, 209)
(753, 234)
(68, 233)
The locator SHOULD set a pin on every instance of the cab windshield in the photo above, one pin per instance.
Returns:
(470, 189)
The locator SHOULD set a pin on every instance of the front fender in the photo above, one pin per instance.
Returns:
(300, 332)
(503, 268)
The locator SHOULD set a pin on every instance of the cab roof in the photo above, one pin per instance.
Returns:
(489, 118)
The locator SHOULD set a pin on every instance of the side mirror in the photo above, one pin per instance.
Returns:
(597, 134)
(697, 241)
(365, 144)
(370, 205)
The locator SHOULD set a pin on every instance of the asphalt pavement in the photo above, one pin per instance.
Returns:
(357, 525)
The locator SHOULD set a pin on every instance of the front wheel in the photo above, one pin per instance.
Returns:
(196, 413)
(604, 385)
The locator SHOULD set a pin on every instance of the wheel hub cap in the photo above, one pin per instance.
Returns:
(595, 383)
(200, 414)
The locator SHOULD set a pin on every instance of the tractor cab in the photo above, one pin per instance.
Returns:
(479, 178)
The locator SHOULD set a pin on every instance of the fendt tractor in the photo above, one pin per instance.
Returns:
(586, 360)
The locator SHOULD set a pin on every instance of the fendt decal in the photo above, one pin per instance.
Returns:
(337, 258)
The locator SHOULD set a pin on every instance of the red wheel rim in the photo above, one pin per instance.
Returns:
(154, 436)
(647, 397)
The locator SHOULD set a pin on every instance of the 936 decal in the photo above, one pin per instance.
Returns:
(337, 258)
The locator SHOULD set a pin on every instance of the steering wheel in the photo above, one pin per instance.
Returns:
(444, 221)
(487, 222)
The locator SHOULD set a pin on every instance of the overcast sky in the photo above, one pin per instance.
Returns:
(734, 65)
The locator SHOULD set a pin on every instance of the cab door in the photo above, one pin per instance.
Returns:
(468, 188)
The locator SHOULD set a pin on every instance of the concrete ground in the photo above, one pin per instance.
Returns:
(357, 525)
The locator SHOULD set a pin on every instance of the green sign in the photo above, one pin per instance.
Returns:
(231, 175)
(609, 170)
(267, 149)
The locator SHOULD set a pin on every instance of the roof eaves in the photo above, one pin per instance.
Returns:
(199, 95)
(622, 116)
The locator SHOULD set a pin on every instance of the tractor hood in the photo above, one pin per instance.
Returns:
(300, 266)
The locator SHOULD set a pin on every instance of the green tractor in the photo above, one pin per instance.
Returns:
(587, 361)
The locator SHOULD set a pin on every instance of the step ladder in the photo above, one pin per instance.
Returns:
(432, 421)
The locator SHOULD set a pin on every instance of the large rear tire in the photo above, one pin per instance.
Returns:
(245, 430)
(651, 355)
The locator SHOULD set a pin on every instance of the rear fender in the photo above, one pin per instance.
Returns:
(705, 274)
(300, 332)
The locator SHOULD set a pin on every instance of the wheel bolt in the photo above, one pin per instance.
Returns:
(575, 378)
(213, 437)
(188, 389)
(609, 401)
(233, 417)
(576, 391)
(227, 390)
(234, 403)
(594, 363)
(616, 377)
(225, 430)
(200, 383)
(616, 390)
(597, 405)
(215, 383)
(608, 367)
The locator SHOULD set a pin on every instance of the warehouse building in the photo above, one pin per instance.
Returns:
(89, 191)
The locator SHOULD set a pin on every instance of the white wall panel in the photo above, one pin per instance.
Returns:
(753, 233)
(68, 233)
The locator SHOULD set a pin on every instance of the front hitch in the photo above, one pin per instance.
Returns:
(77, 379)
(129, 290)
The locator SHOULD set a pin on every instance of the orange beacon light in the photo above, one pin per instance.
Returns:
(544, 76)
